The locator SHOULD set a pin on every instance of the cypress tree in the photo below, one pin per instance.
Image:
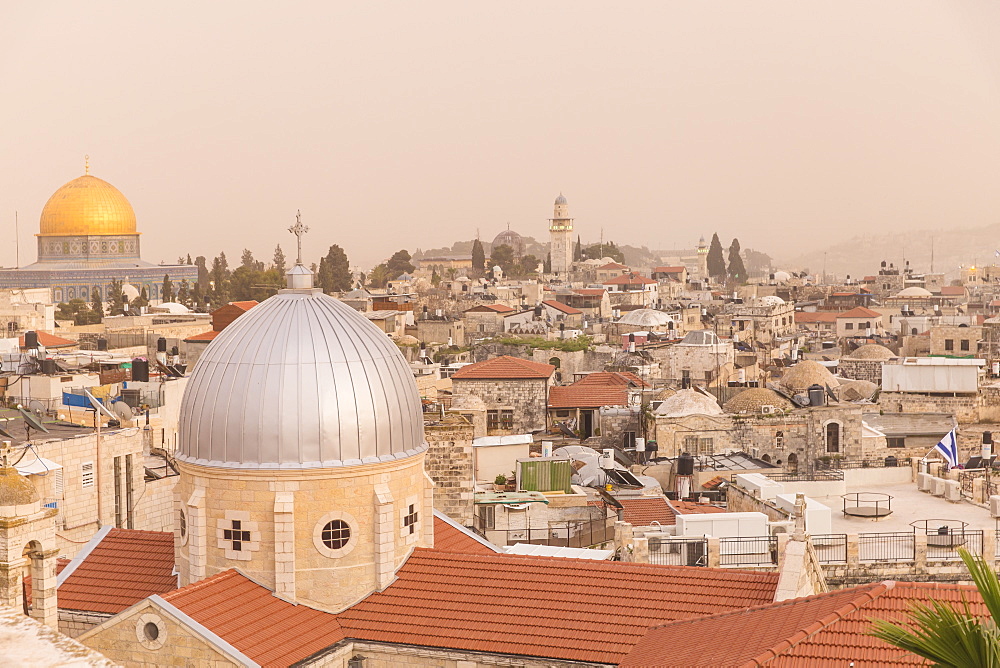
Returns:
(737, 271)
(716, 260)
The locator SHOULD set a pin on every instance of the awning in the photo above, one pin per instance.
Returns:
(509, 498)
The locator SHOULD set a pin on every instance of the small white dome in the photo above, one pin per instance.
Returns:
(645, 317)
(914, 292)
(130, 291)
(782, 276)
(172, 308)
(771, 300)
(688, 402)
(300, 381)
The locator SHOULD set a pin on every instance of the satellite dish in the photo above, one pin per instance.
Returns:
(5, 433)
(123, 411)
(36, 407)
(32, 421)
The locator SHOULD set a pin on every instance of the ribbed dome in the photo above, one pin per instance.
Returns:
(871, 351)
(300, 381)
(87, 206)
(645, 317)
(806, 373)
(753, 399)
(15, 489)
(560, 199)
(688, 402)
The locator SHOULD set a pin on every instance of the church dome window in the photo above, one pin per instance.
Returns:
(336, 534)
(182, 524)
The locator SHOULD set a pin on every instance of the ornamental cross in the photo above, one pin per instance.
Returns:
(298, 229)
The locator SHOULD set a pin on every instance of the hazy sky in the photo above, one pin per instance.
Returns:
(413, 124)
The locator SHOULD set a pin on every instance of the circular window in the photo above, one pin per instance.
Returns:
(336, 534)
(150, 631)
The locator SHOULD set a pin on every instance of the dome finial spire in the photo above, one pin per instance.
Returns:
(86, 165)
(299, 277)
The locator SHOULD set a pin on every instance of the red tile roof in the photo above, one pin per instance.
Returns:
(539, 606)
(952, 290)
(860, 312)
(49, 340)
(451, 538)
(803, 317)
(204, 336)
(559, 306)
(613, 265)
(124, 568)
(61, 563)
(269, 630)
(692, 508)
(504, 367)
(604, 388)
(490, 308)
(827, 630)
(644, 511)
(630, 279)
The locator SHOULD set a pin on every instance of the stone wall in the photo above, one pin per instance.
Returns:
(155, 510)
(118, 640)
(573, 362)
(739, 500)
(965, 407)
(449, 464)
(528, 399)
(870, 370)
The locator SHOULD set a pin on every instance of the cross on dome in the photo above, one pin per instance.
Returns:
(298, 229)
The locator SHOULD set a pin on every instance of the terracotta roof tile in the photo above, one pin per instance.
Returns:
(827, 630)
(692, 508)
(269, 630)
(449, 537)
(604, 388)
(545, 607)
(612, 265)
(805, 317)
(49, 340)
(559, 306)
(124, 568)
(860, 312)
(644, 511)
(504, 367)
(204, 336)
(630, 279)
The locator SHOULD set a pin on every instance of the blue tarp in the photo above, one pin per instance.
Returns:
(80, 400)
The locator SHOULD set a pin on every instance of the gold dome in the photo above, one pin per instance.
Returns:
(87, 206)
(15, 489)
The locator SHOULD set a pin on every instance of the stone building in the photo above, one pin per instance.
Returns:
(605, 404)
(561, 238)
(701, 358)
(762, 321)
(515, 392)
(956, 340)
(859, 321)
(450, 465)
(485, 319)
(865, 363)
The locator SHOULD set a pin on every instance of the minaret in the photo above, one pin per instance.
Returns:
(702, 259)
(561, 237)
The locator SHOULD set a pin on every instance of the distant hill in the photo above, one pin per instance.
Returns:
(862, 255)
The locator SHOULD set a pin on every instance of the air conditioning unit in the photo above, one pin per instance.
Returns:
(767, 409)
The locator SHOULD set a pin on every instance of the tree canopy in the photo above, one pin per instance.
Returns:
(399, 263)
(716, 260)
(335, 271)
(478, 256)
(737, 271)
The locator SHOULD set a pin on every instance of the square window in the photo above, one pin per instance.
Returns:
(949, 344)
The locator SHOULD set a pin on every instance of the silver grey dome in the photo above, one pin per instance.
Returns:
(560, 199)
(300, 381)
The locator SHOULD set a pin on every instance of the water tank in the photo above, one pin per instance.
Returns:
(817, 395)
(161, 345)
(140, 370)
(891, 461)
(48, 367)
(102, 343)
(31, 340)
(685, 464)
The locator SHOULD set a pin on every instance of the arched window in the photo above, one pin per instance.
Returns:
(555, 361)
(833, 437)
(793, 463)
(766, 458)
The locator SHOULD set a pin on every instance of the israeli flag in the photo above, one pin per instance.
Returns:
(948, 447)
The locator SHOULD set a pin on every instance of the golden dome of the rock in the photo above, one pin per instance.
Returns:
(87, 206)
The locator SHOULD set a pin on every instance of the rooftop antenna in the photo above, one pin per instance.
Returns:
(17, 241)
